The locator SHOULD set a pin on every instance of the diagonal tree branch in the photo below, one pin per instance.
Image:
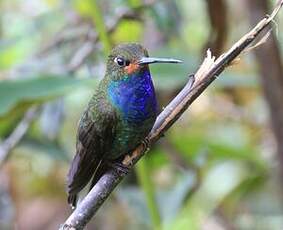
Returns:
(207, 73)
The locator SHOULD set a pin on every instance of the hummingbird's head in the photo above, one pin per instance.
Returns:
(130, 59)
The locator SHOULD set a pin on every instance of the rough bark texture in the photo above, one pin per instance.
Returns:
(271, 74)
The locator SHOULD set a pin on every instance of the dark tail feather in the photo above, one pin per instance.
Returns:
(101, 169)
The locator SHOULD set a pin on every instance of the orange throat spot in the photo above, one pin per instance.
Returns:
(133, 67)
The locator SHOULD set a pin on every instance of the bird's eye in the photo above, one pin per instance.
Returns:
(120, 61)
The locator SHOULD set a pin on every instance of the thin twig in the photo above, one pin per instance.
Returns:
(67, 34)
(14, 138)
(208, 72)
(70, 34)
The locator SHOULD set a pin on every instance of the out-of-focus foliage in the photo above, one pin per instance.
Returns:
(35, 90)
(215, 169)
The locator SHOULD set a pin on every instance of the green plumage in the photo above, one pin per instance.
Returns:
(118, 117)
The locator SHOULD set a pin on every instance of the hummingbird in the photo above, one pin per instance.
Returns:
(118, 117)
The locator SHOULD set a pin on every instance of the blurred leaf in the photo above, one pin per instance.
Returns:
(170, 201)
(220, 181)
(52, 3)
(121, 34)
(156, 158)
(197, 140)
(135, 199)
(91, 9)
(145, 181)
(249, 186)
(35, 90)
(167, 17)
(11, 119)
(83, 7)
(134, 3)
(9, 56)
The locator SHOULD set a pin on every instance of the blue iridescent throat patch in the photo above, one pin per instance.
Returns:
(134, 97)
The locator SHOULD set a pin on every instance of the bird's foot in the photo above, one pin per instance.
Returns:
(146, 143)
(119, 167)
(128, 160)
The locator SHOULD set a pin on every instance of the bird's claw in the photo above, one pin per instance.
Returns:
(146, 143)
(119, 167)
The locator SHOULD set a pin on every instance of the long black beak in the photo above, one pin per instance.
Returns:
(151, 60)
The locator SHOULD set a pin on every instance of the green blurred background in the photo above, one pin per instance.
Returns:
(219, 167)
